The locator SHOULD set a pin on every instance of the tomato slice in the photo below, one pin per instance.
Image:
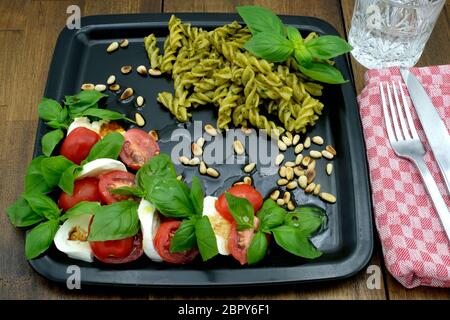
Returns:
(239, 241)
(162, 244)
(77, 145)
(84, 190)
(118, 251)
(138, 148)
(113, 180)
(241, 191)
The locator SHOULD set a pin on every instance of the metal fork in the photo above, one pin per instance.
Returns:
(406, 144)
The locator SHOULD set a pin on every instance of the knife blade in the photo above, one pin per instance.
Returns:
(435, 130)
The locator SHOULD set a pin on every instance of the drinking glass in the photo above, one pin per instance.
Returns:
(386, 33)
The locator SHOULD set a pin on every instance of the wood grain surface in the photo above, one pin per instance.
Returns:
(28, 32)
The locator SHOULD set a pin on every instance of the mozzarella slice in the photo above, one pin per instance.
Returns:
(149, 224)
(86, 123)
(221, 227)
(99, 166)
(75, 228)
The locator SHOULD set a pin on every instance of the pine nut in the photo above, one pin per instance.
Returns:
(140, 121)
(201, 142)
(310, 188)
(111, 79)
(250, 167)
(312, 165)
(212, 172)
(154, 72)
(328, 197)
(292, 185)
(126, 94)
(327, 155)
(126, 69)
(279, 159)
(329, 169)
(302, 182)
(317, 140)
(154, 134)
(306, 160)
(209, 129)
(184, 160)
(139, 101)
(315, 154)
(238, 147)
(202, 167)
(298, 159)
(123, 43)
(281, 145)
(248, 180)
(287, 197)
(316, 189)
(289, 173)
(299, 172)
(142, 70)
(282, 172)
(290, 206)
(296, 139)
(282, 182)
(289, 164)
(100, 87)
(310, 175)
(112, 47)
(307, 143)
(280, 202)
(114, 87)
(194, 161)
(87, 86)
(286, 140)
(298, 148)
(196, 150)
(274, 195)
(331, 150)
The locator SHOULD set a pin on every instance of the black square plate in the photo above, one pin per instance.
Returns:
(347, 239)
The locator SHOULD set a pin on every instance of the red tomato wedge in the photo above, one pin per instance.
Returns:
(162, 244)
(239, 241)
(241, 191)
(113, 180)
(77, 145)
(84, 190)
(118, 251)
(138, 148)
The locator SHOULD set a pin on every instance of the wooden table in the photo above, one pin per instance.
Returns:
(28, 33)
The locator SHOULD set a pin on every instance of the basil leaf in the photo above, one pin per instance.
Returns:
(82, 101)
(197, 195)
(35, 165)
(67, 180)
(270, 46)
(259, 19)
(108, 147)
(104, 114)
(184, 238)
(43, 205)
(303, 56)
(206, 239)
(171, 197)
(34, 180)
(327, 47)
(271, 216)
(129, 191)
(295, 37)
(322, 72)
(158, 166)
(21, 215)
(294, 242)
(257, 249)
(53, 167)
(81, 208)
(306, 220)
(58, 125)
(116, 221)
(241, 210)
(50, 140)
(40, 238)
(51, 110)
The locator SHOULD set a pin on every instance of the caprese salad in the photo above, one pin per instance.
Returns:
(110, 195)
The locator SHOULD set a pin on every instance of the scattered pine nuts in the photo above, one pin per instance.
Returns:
(202, 167)
(154, 134)
(302, 182)
(154, 72)
(298, 148)
(281, 145)
(238, 147)
(327, 154)
(126, 94)
(328, 197)
(279, 159)
(100, 87)
(275, 194)
(317, 140)
(112, 47)
(111, 79)
(329, 169)
(282, 182)
(331, 150)
(123, 43)
(212, 172)
(140, 101)
(196, 150)
(296, 139)
(250, 167)
(142, 70)
(87, 86)
(315, 154)
(126, 69)
(209, 129)
(140, 121)
(307, 143)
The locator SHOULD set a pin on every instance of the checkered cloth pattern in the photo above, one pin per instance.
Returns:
(415, 247)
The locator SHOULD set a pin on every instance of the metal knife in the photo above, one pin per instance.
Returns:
(435, 130)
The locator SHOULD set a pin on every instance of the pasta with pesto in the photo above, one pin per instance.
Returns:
(213, 68)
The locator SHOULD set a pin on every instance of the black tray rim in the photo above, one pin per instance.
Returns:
(353, 263)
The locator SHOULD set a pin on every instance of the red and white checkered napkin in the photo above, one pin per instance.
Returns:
(415, 247)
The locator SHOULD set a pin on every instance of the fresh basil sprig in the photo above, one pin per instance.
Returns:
(274, 42)
(108, 147)
(241, 210)
(40, 238)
